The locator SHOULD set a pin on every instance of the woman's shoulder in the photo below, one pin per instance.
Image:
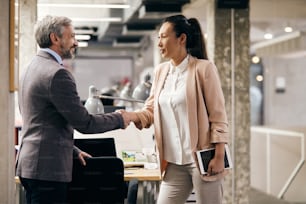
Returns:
(161, 66)
(201, 62)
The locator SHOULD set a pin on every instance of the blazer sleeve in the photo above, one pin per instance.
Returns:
(215, 103)
(64, 96)
(146, 114)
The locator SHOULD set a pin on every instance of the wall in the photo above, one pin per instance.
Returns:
(285, 156)
(104, 65)
(101, 72)
(285, 109)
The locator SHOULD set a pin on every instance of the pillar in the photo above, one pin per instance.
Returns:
(7, 153)
(228, 46)
(27, 43)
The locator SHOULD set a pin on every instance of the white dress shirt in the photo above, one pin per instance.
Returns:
(175, 127)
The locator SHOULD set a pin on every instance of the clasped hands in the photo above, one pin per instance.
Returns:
(128, 117)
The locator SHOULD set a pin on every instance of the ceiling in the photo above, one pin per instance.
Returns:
(130, 27)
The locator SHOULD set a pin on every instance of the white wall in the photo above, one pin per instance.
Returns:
(100, 72)
(285, 109)
(285, 157)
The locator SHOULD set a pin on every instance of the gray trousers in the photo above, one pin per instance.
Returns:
(180, 180)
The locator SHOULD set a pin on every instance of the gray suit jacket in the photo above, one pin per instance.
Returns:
(51, 109)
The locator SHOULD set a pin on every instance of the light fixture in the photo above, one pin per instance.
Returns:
(97, 6)
(142, 90)
(110, 19)
(84, 31)
(82, 44)
(82, 37)
(255, 59)
(93, 104)
(288, 29)
(259, 78)
(268, 36)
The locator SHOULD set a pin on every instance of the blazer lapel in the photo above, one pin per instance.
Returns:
(161, 79)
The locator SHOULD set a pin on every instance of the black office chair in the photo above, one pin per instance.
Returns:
(101, 181)
(97, 147)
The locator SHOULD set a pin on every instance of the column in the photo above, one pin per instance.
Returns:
(228, 46)
(7, 154)
(27, 20)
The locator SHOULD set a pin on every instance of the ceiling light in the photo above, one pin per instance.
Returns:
(288, 29)
(255, 59)
(113, 6)
(82, 37)
(111, 19)
(84, 31)
(82, 44)
(259, 77)
(268, 36)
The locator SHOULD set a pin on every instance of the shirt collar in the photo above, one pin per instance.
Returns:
(54, 54)
(181, 67)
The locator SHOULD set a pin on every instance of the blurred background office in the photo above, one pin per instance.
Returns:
(259, 47)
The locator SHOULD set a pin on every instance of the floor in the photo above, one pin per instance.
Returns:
(256, 197)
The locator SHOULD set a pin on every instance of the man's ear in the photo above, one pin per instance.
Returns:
(54, 38)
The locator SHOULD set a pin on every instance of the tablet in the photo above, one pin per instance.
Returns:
(204, 157)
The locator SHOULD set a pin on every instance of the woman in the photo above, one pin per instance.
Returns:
(186, 104)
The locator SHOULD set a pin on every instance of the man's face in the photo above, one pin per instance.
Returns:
(68, 43)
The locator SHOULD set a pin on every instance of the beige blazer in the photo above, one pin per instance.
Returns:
(205, 106)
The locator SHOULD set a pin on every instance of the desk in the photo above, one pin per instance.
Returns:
(148, 183)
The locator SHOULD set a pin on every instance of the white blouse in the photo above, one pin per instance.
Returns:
(174, 118)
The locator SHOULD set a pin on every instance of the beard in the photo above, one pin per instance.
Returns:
(68, 53)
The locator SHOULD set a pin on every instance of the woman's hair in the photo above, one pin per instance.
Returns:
(48, 25)
(195, 42)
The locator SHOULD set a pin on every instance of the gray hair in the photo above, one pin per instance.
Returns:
(48, 25)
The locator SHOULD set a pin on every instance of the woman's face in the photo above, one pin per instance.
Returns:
(169, 45)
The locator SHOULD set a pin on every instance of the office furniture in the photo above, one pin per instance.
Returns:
(97, 147)
(101, 181)
(148, 183)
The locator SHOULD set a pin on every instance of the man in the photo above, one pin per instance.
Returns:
(51, 109)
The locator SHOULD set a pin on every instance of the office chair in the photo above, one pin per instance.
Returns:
(97, 147)
(101, 181)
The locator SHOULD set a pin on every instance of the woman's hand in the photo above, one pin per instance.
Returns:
(130, 117)
(216, 165)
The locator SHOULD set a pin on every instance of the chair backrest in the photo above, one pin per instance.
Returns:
(97, 147)
(100, 181)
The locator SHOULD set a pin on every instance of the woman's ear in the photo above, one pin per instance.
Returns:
(183, 38)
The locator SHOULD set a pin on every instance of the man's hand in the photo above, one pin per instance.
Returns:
(82, 155)
(127, 117)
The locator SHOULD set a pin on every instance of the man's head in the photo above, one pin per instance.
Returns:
(56, 33)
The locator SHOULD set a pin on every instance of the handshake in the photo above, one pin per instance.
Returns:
(129, 117)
